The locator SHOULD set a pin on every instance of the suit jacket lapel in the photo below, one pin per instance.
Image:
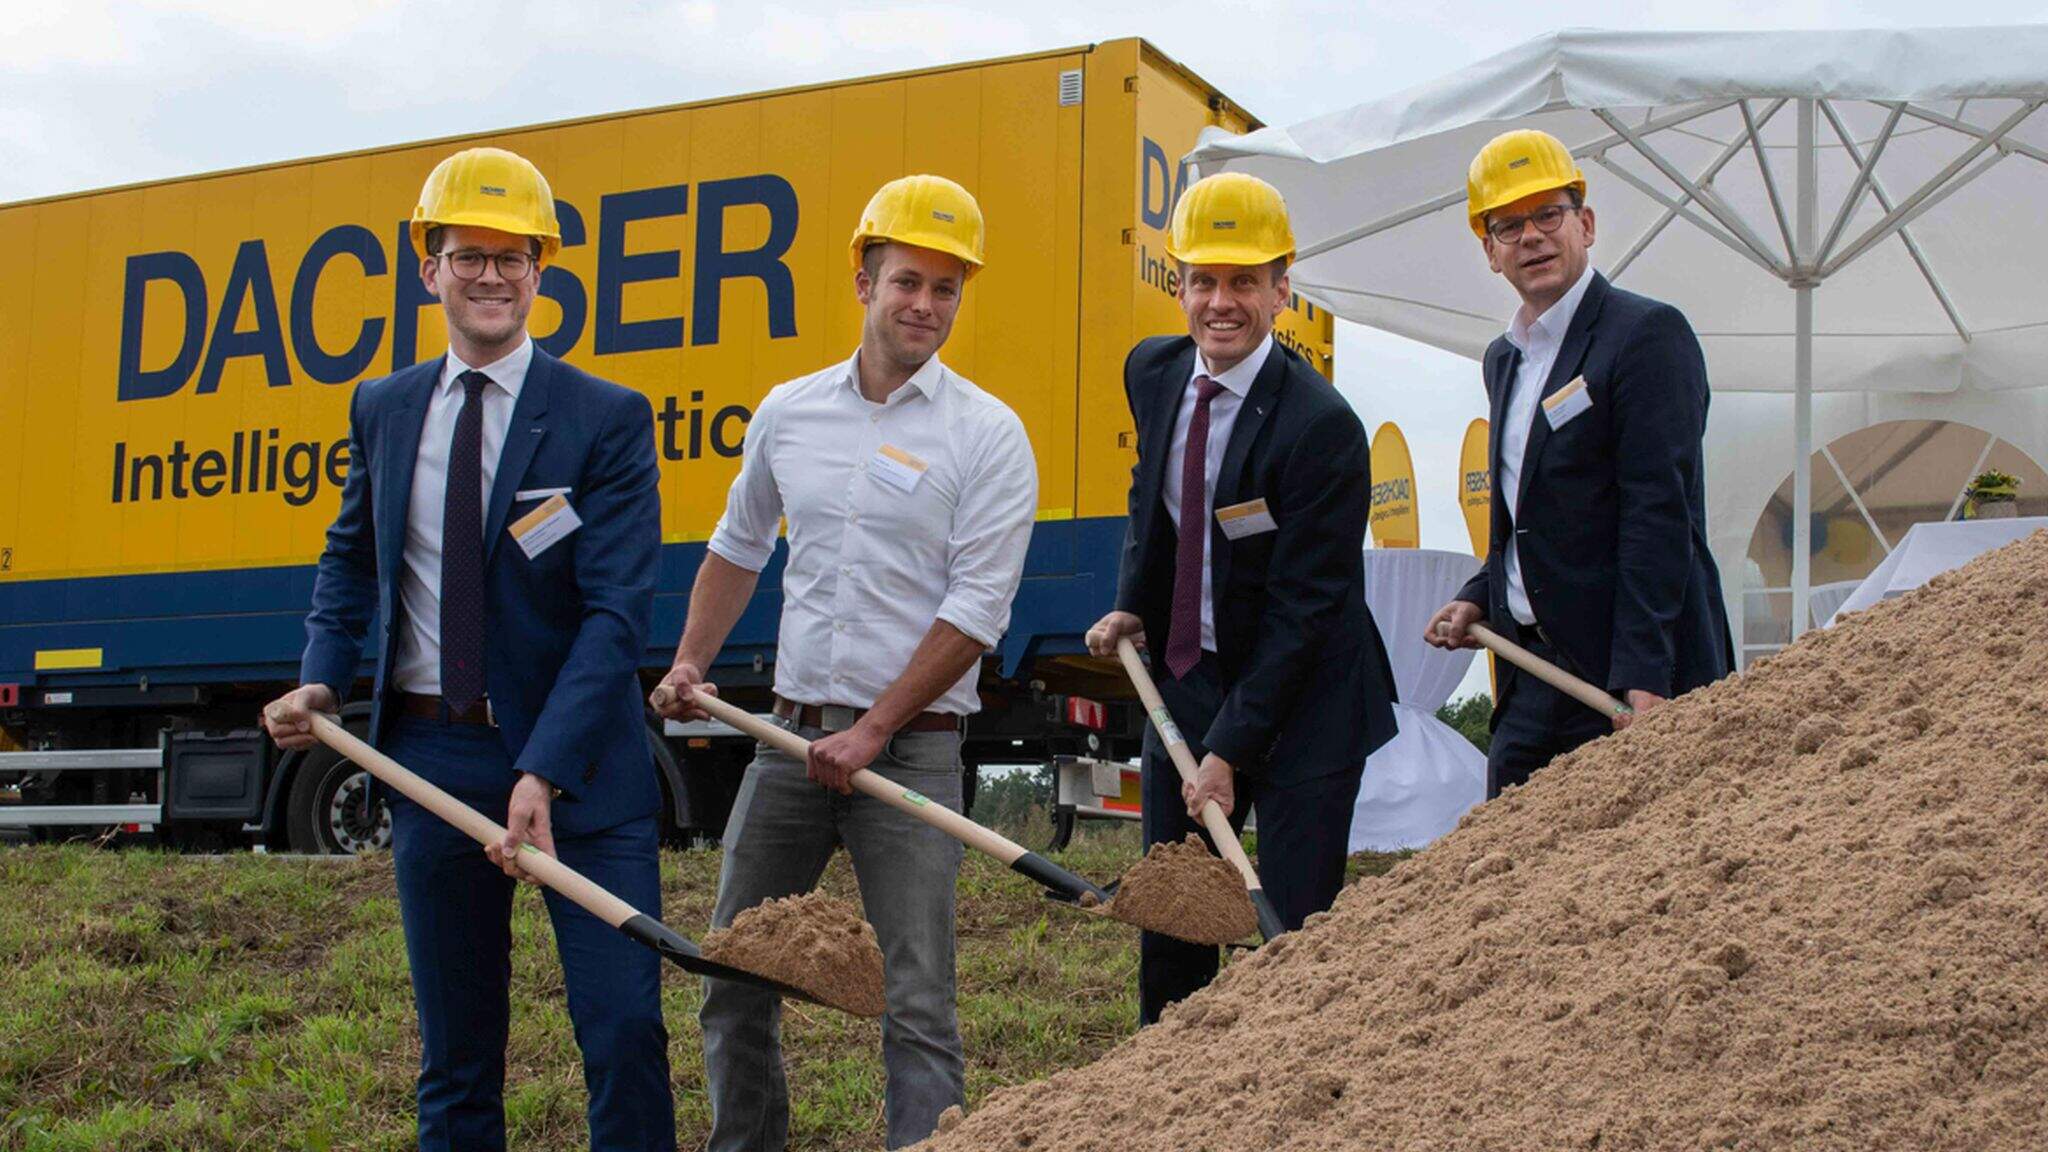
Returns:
(1500, 376)
(522, 438)
(1251, 416)
(1155, 439)
(1571, 353)
(395, 466)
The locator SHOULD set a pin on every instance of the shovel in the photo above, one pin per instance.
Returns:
(1545, 671)
(1213, 819)
(539, 865)
(1059, 883)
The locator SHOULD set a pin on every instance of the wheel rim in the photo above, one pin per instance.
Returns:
(356, 825)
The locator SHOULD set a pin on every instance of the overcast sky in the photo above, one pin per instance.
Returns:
(96, 93)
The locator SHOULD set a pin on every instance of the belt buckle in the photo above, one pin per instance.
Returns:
(836, 717)
(490, 713)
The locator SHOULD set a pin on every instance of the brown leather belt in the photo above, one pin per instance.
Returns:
(815, 716)
(434, 708)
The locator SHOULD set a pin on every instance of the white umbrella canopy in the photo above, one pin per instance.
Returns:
(1834, 211)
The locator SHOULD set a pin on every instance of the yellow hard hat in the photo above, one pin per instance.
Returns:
(924, 212)
(1230, 218)
(1517, 164)
(488, 188)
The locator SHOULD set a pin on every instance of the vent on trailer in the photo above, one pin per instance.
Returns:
(1070, 87)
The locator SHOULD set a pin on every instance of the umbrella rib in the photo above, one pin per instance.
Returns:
(1706, 198)
(1754, 256)
(1938, 187)
(1754, 130)
(1671, 212)
(1968, 129)
(1866, 172)
(1884, 200)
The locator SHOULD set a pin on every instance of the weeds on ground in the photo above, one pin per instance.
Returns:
(153, 1001)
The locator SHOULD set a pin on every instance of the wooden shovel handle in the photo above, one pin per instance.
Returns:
(1547, 672)
(1213, 818)
(906, 800)
(477, 826)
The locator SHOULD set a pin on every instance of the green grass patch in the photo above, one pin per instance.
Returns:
(153, 1001)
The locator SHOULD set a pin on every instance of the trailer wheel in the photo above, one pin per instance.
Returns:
(329, 812)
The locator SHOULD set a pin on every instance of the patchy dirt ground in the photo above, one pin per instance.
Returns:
(1805, 908)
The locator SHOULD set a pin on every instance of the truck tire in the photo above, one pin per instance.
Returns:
(328, 812)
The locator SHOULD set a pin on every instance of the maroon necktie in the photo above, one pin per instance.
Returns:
(1184, 630)
(462, 554)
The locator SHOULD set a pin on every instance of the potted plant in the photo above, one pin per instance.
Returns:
(1994, 495)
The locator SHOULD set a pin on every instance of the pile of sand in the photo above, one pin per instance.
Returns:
(1805, 909)
(1187, 892)
(810, 942)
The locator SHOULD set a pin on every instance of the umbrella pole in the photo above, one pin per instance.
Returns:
(1806, 229)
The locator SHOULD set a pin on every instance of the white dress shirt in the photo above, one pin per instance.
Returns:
(1538, 341)
(871, 566)
(1223, 409)
(418, 664)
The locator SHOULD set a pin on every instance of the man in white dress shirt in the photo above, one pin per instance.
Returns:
(909, 495)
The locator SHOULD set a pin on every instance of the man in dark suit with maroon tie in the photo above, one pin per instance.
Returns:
(1243, 566)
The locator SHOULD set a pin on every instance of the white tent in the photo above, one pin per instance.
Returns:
(1847, 218)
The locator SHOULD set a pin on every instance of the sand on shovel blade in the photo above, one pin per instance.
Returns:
(810, 942)
(1185, 891)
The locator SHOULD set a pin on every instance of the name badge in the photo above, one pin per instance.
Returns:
(1247, 519)
(545, 526)
(897, 468)
(1561, 406)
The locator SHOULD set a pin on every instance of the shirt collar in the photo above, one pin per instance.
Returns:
(1238, 380)
(507, 371)
(927, 379)
(1549, 328)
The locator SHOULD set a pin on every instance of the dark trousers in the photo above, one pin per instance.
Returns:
(1537, 723)
(457, 908)
(1304, 830)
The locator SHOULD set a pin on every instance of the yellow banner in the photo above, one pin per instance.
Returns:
(1475, 487)
(1394, 522)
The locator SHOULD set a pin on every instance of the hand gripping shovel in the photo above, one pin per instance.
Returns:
(1059, 883)
(541, 866)
(1545, 671)
(1213, 819)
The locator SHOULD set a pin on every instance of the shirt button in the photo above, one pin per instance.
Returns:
(846, 569)
(876, 418)
(853, 517)
(839, 625)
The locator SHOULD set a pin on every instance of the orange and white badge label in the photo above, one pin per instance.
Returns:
(1247, 519)
(1567, 402)
(545, 526)
(896, 468)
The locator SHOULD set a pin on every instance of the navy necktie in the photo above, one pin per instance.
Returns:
(1184, 626)
(462, 554)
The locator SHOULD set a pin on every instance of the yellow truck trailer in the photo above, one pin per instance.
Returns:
(177, 363)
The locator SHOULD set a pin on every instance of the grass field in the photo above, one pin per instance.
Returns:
(151, 1001)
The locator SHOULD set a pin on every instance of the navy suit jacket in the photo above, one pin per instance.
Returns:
(1612, 527)
(564, 631)
(1310, 689)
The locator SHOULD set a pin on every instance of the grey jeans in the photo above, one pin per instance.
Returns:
(783, 830)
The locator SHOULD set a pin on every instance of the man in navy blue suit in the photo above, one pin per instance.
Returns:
(1244, 566)
(502, 519)
(1599, 560)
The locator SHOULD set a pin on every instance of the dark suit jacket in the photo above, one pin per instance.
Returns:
(1311, 689)
(564, 631)
(1613, 523)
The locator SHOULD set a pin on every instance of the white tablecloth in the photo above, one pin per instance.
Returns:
(1417, 786)
(1933, 548)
